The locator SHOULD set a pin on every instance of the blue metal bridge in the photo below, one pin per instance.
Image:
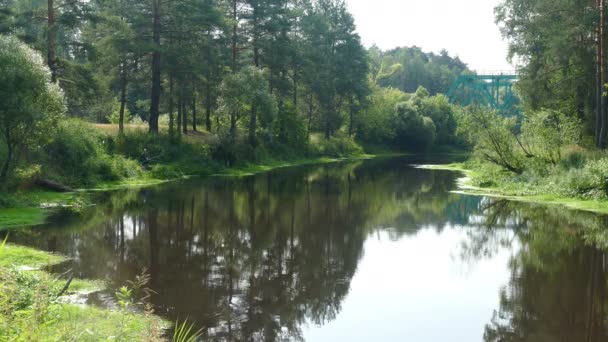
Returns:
(491, 89)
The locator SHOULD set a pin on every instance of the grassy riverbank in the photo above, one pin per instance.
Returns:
(30, 208)
(478, 180)
(34, 307)
(89, 158)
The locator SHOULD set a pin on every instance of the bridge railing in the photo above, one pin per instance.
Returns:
(496, 72)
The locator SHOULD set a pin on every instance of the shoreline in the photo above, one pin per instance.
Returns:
(38, 205)
(465, 187)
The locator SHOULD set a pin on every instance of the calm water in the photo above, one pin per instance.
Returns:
(365, 251)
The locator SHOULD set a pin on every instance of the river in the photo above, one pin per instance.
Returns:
(371, 250)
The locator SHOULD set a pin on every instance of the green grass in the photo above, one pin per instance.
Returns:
(466, 185)
(19, 256)
(248, 170)
(128, 183)
(31, 208)
(30, 309)
(19, 217)
(86, 323)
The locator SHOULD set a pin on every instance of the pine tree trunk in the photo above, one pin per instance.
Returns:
(351, 114)
(5, 166)
(208, 107)
(193, 113)
(171, 104)
(234, 56)
(602, 67)
(184, 117)
(123, 97)
(179, 110)
(51, 40)
(155, 91)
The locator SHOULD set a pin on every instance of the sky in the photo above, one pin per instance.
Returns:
(465, 28)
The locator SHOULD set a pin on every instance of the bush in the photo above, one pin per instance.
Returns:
(412, 130)
(591, 181)
(493, 138)
(338, 147)
(79, 155)
(30, 104)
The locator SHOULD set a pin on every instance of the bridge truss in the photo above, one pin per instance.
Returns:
(490, 89)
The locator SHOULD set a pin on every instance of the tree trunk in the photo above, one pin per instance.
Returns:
(171, 104)
(123, 97)
(184, 116)
(235, 26)
(310, 113)
(193, 112)
(327, 124)
(51, 40)
(603, 114)
(234, 56)
(256, 63)
(155, 91)
(351, 114)
(180, 99)
(208, 107)
(7, 162)
(252, 126)
(295, 89)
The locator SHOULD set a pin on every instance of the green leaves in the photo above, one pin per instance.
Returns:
(30, 105)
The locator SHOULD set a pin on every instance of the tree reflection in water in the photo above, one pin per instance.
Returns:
(257, 258)
(557, 287)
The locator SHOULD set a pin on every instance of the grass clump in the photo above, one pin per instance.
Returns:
(79, 155)
(18, 217)
(337, 147)
(32, 306)
(19, 256)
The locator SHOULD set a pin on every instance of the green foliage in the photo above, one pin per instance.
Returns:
(80, 155)
(31, 309)
(23, 256)
(19, 217)
(290, 130)
(441, 112)
(412, 130)
(164, 156)
(413, 122)
(30, 105)
(558, 70)
(338, 147)
(114, 116)
(546, 133)
(535, 146)
(375, 121)
(408, 68)
(335, 65)
(245, 90)
(184, 332)
(493, 137)
(590, 181)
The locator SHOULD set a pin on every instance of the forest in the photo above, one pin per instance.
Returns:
(102, 100)
(166, 88)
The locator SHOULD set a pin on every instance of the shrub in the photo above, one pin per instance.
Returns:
(79, 155)
(591, 181)
(338, 147)
(545, 134)
(30, 104)
(412, 130)
(493, 138)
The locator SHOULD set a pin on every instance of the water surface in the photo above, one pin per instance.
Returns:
(364, 251)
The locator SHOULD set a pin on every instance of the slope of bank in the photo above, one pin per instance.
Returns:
(470, 184)
(38, 306)
(30, 208)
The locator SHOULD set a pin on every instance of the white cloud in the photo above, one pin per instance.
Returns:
(465, 28)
